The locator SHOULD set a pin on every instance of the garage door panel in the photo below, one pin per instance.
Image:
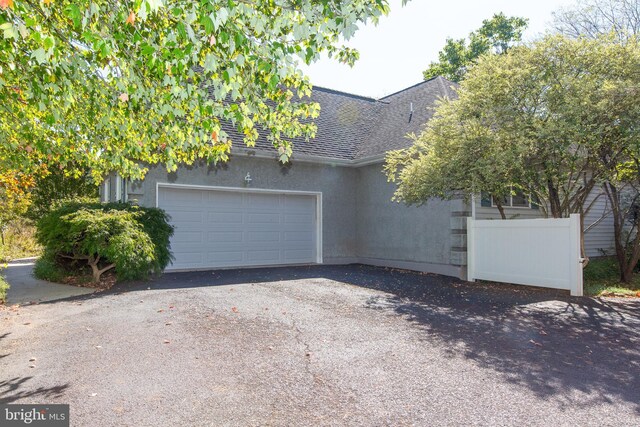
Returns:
(264, 257)
(263, 202)
(292, 256)
(302, 218)
(263, 236)
(226, 236)
(185, 236)
(223, 258)
(184, 197)
(217, 228)
(226, 217)
(186, 216)
(186, 247)
(295, 246)
(188, 258)
(224, 199)
(298, 236)
(297, 227)
(263, 218)
(297, 203)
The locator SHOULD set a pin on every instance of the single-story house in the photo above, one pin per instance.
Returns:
(331, 204)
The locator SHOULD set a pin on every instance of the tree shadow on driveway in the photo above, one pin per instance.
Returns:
(15, 389)
(541, 339)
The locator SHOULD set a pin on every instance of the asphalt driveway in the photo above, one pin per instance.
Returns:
(323, 345)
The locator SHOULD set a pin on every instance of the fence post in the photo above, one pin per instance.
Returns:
(576, 256)
(471, 250)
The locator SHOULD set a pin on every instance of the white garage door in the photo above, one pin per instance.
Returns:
(220, 228)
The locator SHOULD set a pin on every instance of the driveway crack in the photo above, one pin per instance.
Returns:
(307, 348)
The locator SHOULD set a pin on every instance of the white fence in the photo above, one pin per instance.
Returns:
(536, 252)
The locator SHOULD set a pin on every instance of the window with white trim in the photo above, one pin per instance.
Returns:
(515, 199)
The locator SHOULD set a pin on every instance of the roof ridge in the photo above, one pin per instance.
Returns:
(340, 92)
(410, 87)
(447, 88)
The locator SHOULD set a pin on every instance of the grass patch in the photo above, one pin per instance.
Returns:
(4, 287)
(19, 241)
(602, 278)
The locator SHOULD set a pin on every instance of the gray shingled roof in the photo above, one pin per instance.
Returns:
(352, 127)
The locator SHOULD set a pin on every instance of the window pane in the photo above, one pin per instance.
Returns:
(485, 199)
(520, 200)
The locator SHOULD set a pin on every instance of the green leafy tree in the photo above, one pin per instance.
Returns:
(116, 86)
(132, 240)
(593, 18)
(56, 186)
(553, 119)
(496, 35)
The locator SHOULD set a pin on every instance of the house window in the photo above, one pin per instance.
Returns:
(517, 199)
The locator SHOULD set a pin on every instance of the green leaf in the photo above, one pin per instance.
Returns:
(273, 82)
(207, 23)
(40, 55)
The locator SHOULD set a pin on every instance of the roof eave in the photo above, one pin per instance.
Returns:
(307, 158)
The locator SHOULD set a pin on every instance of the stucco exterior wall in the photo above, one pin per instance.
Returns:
(337, 184)
(392, 234)
(360, 222)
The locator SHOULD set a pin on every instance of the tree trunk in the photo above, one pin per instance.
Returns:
(554, 200)
(97, 271)
(631, 260)
(626, 264)
(500, 209)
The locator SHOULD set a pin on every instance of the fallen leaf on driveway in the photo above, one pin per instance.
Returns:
(234, 309)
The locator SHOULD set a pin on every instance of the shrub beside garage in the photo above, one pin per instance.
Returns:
(87, 239)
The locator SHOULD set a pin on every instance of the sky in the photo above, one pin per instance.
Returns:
(394, 53)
